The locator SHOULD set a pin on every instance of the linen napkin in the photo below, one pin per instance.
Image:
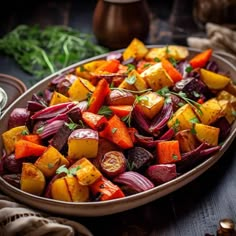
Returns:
(19, 220)
(220, 38)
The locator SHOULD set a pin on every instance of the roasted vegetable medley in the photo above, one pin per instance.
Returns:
(120, 125)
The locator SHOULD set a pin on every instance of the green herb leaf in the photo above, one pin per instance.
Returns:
(189, 69)
(156, 59)
(71, 125)
(130, 67)
(50, 165)
(41, 52)
(24, 132)
(173, 61)
(194, 120)
(114, 130)
(105, 111)
(131, 79)
(62, 169)
(174, 156)
(40, 130)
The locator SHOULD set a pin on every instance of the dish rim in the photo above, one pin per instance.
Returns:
(97, 208)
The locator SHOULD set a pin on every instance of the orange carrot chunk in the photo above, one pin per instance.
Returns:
(121, 110)
(168, 152)
(98, 96)
(24, 148)
(34, 138)
(201, 59)
(171, 70)
(94, 121)
(117, 132)
(111, 66)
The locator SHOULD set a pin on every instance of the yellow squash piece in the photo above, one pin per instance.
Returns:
(227, 110)
(83, 143)
(32, 179)
(172, 51)
(209, 111)
(136, 50)
(183, 118)
(58, 98)
(11, 136)
(214, 80)
(68, 189)
(207, 133)
(80, 89)
(86, 172)
(150, 103)
(136, 80)
(156, 77)
(50, 160)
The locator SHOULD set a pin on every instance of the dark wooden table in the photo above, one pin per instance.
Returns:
(193, 210)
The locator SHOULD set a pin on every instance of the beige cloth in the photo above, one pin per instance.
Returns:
(19, 220)
(219, 38)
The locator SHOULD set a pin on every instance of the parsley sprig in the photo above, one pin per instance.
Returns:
(41, 52)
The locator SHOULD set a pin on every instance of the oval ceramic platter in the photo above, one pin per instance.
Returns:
(89, 209)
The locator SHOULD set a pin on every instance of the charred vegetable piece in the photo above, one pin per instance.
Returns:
(161, 173)
(134, 181)
(103, 190)
(139, 158)
(113, 163)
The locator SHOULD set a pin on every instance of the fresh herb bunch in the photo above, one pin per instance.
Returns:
(42, 52)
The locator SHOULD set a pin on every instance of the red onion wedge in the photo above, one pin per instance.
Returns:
(134, 180)
(53, 111)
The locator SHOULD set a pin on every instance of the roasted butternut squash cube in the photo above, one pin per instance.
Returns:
(68, 189)
(86, 171)
(32, 179)
(156, 77)
(209, 111)
(183, 118)
(80, 89)
(227, 110)
(172, 51)
(58, 98)
(206, 133)
(50, 160)
(135, 79)
(83, 143)
(136, 49)
(11, 136)
(223, 94)
(214, 80)
(150, 103)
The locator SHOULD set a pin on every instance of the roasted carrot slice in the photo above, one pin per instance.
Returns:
(171, 70)
(24, 148)
(98, 96)
(201, 59)
(117, 132)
